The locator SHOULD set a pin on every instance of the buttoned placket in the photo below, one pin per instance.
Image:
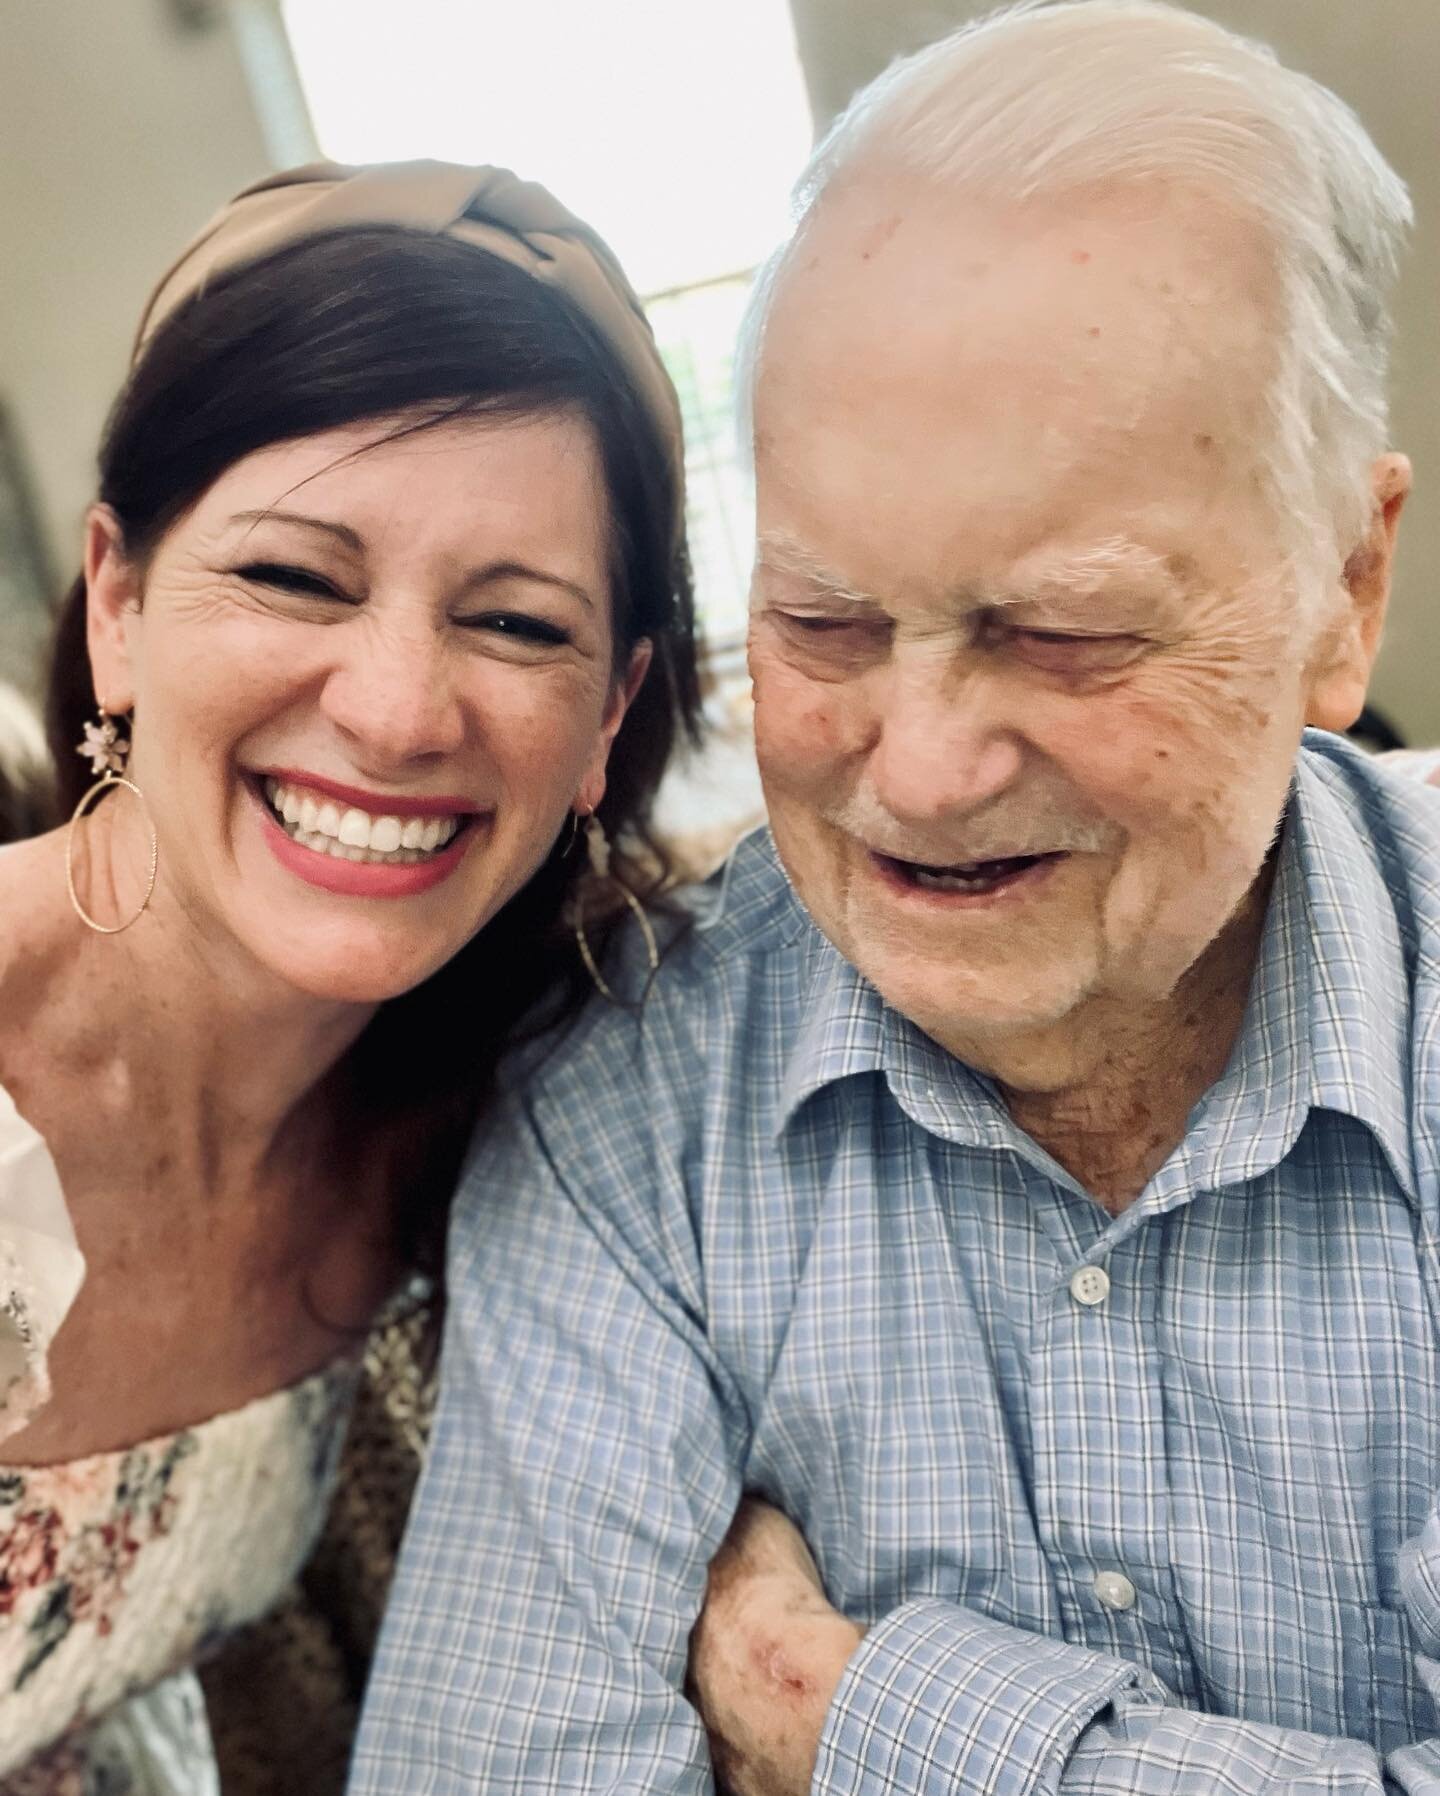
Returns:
(1097, 1425)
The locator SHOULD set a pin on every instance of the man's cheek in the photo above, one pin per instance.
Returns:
(802, 728)
(1168, 744)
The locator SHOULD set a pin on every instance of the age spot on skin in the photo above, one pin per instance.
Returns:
(783, 1676)
(1205, 443)
(882, 235)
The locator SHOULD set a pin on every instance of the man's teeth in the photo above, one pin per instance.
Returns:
(979, 876)
(355, 835)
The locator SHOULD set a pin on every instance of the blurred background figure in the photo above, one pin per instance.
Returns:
(25, 797)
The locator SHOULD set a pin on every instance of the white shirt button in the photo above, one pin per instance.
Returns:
(1115, 1590)
(1090, 1285)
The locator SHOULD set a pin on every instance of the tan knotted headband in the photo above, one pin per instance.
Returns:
(487, 207)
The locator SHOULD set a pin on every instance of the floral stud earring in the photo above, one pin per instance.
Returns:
(107, 752)
(104, 745)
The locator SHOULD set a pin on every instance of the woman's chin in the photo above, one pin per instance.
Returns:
(351, 971)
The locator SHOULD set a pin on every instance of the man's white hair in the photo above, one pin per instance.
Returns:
(1051, 96)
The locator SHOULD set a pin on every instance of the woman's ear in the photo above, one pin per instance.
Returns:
(1341, 674)
(112, 604)
(622, 696)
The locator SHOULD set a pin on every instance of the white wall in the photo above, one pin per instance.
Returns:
(1383, 56)
(120, 131)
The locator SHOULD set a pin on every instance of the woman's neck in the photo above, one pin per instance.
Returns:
(165, 1019)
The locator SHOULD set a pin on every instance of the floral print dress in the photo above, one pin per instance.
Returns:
(119, 1570)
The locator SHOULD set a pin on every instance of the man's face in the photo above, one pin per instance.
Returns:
(1029, 668)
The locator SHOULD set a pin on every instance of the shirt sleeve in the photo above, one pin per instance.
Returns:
(938, 1700)
(583, 1472)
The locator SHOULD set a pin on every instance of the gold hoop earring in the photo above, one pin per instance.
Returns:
(597, 847)
(107, 750)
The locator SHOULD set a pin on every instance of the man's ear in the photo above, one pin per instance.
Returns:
(622, 695)
(1340, 674)
(112, 602)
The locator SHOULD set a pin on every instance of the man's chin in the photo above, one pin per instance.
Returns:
(969, 1011)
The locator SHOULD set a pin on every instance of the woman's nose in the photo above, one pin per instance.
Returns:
(393, 694)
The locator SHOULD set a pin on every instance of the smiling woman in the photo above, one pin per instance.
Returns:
(384, 589)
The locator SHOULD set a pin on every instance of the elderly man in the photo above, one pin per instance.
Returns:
(1025, 1174)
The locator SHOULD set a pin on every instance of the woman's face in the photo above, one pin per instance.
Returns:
(370, 679)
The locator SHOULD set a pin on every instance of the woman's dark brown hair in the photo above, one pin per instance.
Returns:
(379, 323)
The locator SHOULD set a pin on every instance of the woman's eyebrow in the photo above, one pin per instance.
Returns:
(495, 571)
(343, 532)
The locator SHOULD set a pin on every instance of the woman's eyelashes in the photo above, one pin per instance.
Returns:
(292, 579)
(516, 626)
(519, 626)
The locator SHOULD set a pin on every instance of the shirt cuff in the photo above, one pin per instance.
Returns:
(940, 1700)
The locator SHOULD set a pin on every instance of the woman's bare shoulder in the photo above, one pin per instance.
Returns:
(36, 930)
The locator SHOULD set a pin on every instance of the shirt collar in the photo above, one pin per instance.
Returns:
(1329, 1018)
(840, 1029)
(1327, 1025)
(848, 1030)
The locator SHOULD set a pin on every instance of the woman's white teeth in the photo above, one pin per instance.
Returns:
(356, 835)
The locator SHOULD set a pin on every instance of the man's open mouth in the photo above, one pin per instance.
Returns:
(968, 878)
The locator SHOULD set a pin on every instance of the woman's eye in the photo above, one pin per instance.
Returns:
(291, 579)
(518, 626)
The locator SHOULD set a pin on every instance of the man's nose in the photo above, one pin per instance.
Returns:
(393, 695)
(943, 747)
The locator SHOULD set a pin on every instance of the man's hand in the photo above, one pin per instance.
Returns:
(766, 1656)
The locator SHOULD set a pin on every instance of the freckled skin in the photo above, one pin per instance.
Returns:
(235, 1258)
(765, 1656)
(392, 691)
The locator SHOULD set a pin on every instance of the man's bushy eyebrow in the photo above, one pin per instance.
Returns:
(1103, 565)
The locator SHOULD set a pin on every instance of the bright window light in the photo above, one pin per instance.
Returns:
(675, 127)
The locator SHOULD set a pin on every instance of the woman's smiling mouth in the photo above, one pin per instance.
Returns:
(385, 847)
(349, 833)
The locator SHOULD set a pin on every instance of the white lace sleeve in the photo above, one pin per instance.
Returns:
(41, 1266)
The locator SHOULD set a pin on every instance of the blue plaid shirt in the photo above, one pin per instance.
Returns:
(1167, 1527)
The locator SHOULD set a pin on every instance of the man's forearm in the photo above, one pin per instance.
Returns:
(937, 1698)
